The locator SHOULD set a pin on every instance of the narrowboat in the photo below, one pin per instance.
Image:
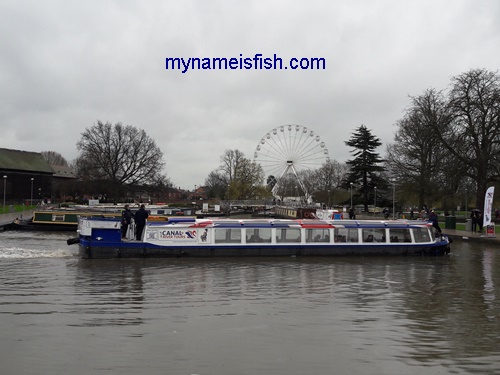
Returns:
(55, 220)
(67, 220)
(191, 237)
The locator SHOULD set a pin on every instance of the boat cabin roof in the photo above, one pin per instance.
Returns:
(287, 223)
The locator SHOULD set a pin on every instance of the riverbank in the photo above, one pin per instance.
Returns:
(456, 234)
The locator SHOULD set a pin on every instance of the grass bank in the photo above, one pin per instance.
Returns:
(15, 208)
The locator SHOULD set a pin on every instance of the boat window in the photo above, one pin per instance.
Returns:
(227, 235)
(346, 235)
(259, 235)
(373, 235)
(288, 235)
(399, 235)
(318, 235)
(58, 217)
(421, 234)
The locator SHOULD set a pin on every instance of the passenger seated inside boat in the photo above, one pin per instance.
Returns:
(369, 238)
(340, 238)
(257, 238)
(327, 238)
(317, 238)
(394, 239)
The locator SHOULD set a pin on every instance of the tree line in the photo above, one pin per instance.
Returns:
(446, 150)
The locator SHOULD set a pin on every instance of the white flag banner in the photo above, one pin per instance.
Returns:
(488, 203)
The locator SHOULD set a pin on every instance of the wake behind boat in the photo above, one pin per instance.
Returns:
(190, 237)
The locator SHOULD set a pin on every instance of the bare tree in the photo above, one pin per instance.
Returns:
(325, 181)
(248, 180)
(121, 155)
(216, 184)
(240, 176)
(54, 158)
(158, 189)
(230, 162)
(289, 187)
(416, 156)
(473, 131)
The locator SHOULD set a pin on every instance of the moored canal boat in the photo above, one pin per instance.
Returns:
(190, 237)
(55, 220)
(67, 220)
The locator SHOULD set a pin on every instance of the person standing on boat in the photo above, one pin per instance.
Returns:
(433, 217)
(140, 222)
(127, 216)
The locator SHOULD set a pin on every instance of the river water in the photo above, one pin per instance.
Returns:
(351, 315)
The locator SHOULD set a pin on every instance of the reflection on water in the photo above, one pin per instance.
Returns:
(60, 314)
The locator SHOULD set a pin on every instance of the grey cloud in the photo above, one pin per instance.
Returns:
(65, 64)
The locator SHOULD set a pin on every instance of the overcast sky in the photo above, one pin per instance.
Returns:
(66, 64)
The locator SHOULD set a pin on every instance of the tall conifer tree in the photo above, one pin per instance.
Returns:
(365, 168)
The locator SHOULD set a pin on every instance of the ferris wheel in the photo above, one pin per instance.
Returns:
(289, 150)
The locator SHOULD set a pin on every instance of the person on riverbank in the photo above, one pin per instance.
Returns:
(140, 221)
(127, 216)
(479, 219)
(473, 217)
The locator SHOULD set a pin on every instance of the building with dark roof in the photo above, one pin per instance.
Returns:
(25, 176)
(63, 180)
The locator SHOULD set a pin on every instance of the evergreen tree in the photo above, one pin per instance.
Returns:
(365, 168)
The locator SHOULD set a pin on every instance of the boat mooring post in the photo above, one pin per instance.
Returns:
(4, 190)
(393, 200)
(351, 194)
(31, 198)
